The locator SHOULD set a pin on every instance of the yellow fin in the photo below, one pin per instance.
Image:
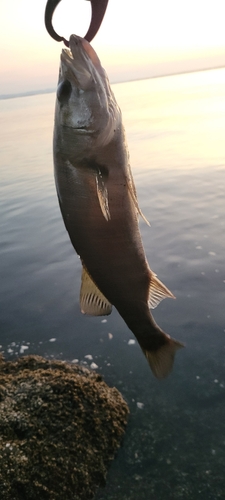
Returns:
(161, 360)
(157, 292)
(92, 301)
(102, 193)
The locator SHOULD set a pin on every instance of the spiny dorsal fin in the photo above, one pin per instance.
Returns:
(157, 292)
(102, 193)
(161, 360)
(132, 190)
(92, 301)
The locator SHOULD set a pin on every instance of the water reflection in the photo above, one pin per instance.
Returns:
(175, 443)
(182, 114)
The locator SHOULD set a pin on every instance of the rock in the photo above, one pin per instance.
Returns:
(60, 426)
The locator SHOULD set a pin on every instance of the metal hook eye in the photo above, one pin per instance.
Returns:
(98, 8)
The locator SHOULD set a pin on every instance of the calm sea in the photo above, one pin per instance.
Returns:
(174, 447)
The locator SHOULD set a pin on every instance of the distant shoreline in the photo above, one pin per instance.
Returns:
(30, 93)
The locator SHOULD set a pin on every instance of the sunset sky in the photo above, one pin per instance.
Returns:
(136, 40)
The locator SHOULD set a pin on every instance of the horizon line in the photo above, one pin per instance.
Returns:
(30, 93)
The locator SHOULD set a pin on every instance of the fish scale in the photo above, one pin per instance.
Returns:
(99, 206)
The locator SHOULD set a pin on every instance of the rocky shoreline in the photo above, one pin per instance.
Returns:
(60, 427)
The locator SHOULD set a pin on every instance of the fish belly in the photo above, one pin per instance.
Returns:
(111, 250)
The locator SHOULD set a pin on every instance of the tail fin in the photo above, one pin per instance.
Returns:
(161, 360)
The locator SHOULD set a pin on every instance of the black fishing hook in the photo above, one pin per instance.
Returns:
(98, 8)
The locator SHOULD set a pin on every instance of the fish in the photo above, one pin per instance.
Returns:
(99, 205)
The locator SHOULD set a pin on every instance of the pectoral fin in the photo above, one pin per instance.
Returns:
(157, 292)
(102, 193)
(92, 301)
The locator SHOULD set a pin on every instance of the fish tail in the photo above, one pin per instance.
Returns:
(161, 359)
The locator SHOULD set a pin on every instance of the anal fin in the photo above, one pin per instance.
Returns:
(157, 292)
(92, 301)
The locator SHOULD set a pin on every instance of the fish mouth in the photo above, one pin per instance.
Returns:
(80, 61)
(75, 69)
(81, 46)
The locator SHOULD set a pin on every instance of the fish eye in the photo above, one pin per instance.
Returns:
(63, 91)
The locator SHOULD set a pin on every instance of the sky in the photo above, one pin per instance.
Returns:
(136, 40)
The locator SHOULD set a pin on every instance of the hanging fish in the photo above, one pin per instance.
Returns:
(99, 205)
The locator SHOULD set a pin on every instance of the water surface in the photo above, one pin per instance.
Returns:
(175, 442)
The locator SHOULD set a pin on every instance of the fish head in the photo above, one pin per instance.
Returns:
(85, 102)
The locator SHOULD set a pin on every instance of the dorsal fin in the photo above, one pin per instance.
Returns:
(132, 191)
(157, 292)
(92, 301)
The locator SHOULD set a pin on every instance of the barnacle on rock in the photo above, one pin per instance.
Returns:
(60, 426)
